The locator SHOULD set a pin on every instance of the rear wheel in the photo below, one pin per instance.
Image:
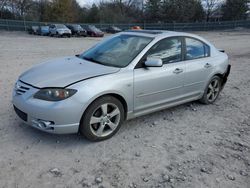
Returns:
(102, 119)
(212, 91)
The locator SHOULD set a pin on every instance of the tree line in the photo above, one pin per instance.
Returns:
(124, 11)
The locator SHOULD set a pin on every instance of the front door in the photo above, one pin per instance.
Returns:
(156, 86)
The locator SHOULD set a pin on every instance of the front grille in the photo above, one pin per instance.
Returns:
(21, 88)
(21, 114)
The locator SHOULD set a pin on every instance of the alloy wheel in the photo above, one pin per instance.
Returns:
(213, 90)
(105, 120)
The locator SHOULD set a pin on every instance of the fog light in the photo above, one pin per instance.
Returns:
(43, 124)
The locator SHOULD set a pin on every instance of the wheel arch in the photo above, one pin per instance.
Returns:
(215, 73)
(115, 95)
(219, 75)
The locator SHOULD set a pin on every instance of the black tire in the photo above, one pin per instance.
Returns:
(209, 100)
(87, 129)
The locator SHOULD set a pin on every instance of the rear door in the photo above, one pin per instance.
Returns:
(156, 86)
(199, 66)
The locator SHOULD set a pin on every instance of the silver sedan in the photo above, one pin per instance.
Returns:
(127, 75)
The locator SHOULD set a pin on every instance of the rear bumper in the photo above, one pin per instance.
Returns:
(225, 76)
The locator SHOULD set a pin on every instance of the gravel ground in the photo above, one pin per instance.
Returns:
(191, 145)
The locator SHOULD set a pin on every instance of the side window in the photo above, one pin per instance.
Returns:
(169, 50)
(196, 49)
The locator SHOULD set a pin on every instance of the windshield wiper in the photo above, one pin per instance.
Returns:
(92, 60)
(98, 62)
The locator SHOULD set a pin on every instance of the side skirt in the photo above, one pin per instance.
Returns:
(132, 115)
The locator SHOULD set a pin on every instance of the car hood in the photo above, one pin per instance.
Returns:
(64, 71)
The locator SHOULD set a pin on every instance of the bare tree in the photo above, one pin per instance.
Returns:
(3, 4)
(24, 6)
(210, 7)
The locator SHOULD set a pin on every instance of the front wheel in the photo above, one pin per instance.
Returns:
(212, 91)
(102, 119)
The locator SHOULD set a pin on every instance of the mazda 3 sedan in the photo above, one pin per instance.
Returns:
(127, 75)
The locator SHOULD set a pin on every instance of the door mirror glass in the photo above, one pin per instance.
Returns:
(153, 62)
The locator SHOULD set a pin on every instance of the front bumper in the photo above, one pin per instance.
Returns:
(64, 33)
(53, 117)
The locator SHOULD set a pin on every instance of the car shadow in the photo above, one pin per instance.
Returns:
(69, 140)
(38, 136)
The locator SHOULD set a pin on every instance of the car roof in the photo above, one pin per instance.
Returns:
(160, 34)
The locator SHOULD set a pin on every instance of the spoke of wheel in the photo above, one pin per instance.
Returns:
(94, 120)
(112, 125)
(213, 96)
(100, 129)
(210, 87)
(215, 83)
(209, 94)
(104, 108)
(114, 112)
(216, 89)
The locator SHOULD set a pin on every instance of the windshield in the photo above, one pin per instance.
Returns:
(60, 26)
(45, 27)
(118, 51)
(77, 26)
(94, 28)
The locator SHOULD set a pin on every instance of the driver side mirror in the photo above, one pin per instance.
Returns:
(153, 62)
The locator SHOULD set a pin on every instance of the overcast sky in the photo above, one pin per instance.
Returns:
(87, 2)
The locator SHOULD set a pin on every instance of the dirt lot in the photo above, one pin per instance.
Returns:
(192, 145)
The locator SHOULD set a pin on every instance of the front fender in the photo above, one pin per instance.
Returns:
(118, 83)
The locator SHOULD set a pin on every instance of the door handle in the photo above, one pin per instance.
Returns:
(178, 70)
(208, 65)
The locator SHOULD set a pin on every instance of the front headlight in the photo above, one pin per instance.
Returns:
(54, 94)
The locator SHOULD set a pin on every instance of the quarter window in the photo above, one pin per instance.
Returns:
(196, 49)
(169, 50)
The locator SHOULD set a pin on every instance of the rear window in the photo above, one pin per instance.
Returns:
(196, 49)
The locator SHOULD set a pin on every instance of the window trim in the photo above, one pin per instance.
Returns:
(185, 48)
(141, 62)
